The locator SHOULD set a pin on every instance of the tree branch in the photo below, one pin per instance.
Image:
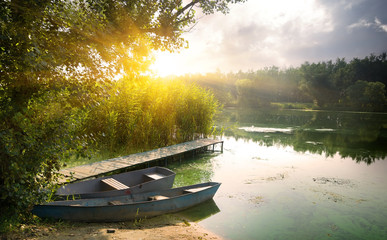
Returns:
(189, 5)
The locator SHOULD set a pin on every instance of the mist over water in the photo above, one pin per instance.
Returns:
(295, 175)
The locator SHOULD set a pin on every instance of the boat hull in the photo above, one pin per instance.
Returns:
(135, 206)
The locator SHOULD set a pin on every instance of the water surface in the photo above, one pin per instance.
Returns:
(295, 175)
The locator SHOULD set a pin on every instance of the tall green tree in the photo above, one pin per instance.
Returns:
(366, 96)
(317, 82)
(247, 93)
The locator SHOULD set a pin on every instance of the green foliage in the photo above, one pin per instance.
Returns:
(366, 96)
(223, 86)
(317, 82)
(150, 114)
(334, 84)
(247, 93)
(33, 142)
(195, 111)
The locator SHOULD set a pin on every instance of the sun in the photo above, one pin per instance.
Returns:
(166, 64)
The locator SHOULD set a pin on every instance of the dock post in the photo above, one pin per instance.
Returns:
(222, 147)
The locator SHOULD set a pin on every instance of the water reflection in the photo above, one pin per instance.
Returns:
(201, 211)
(360, 136)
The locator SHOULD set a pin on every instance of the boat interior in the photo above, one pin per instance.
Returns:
(114, 182)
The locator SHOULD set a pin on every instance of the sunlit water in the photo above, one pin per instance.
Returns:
(271, 191)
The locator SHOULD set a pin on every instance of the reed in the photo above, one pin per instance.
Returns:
(151, 113)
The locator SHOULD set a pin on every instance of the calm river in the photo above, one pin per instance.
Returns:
(295, 175)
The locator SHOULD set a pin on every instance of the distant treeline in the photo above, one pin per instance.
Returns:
(359, 84)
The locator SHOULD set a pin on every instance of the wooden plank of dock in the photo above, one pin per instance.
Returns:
(106, 166)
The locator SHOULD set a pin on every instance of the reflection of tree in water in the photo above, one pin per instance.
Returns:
(366, 146)
(360, 136)
(197, 170)
(368, 151)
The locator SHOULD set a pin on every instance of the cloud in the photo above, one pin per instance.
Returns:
(260, 33)
(379, 25)
(363, 23)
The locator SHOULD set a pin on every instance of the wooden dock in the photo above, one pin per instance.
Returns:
(114, 164)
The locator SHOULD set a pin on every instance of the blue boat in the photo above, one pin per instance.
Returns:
(128, 207)
(144, 180)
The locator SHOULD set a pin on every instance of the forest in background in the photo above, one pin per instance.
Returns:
(355, 85)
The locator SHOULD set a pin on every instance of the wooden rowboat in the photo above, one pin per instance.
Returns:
(144, 180)
(128, 207)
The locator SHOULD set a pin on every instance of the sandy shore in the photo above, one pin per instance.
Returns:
(162, 227)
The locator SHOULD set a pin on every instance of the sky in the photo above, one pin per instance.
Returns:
(282, 33)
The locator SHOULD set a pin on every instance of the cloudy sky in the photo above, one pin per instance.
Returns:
(283, 33)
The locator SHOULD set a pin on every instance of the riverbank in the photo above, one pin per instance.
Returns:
(162, 227)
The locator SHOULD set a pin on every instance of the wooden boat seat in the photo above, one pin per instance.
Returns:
(194, 190)
(113, 183)
(120, 202)
(157, 197)
(154, 176)
(115, 203)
